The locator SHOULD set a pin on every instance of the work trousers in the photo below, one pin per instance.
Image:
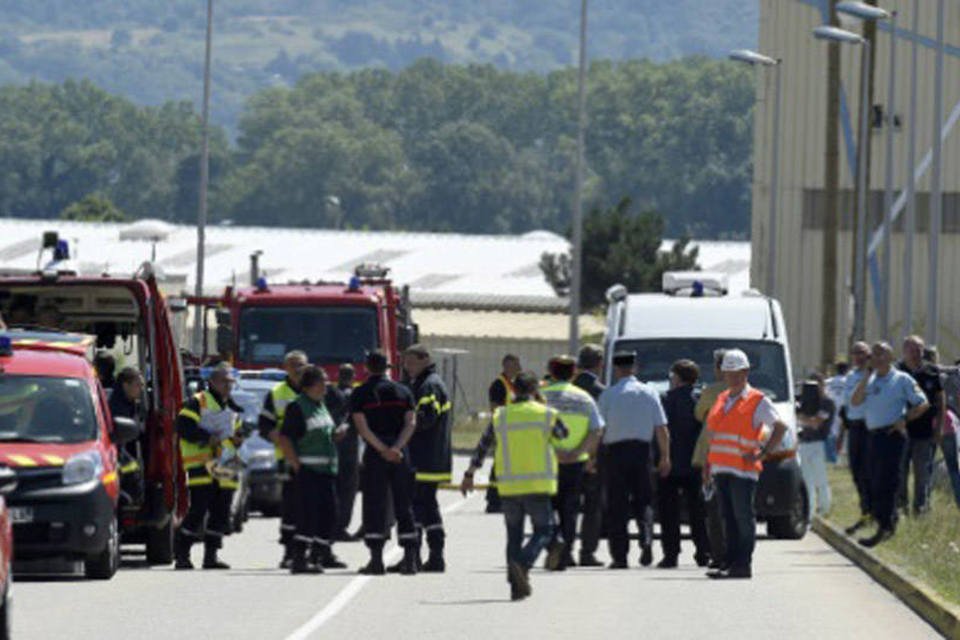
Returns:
(918, 454)
(886, 453)
(591, 526)
(949, 447)
(813, 465)
(567, 502)
(736, 496)
(381, 479)
(669, 492)
(316, 509)
(629, 493)
(858, 453)
(348, 482)
(427, 517)
(208, 517)
(288, 509)
(516, 509)
(493, 496)
(715, 532)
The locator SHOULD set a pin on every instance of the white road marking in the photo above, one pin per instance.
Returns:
(349, 592)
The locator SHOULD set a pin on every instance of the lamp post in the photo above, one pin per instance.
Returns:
(910, 224)
(576, 276)
(836, 34)
(204, 182)
(868, 12)
(759, 60)
(936, 188)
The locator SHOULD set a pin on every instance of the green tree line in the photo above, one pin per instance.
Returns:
(466, 148)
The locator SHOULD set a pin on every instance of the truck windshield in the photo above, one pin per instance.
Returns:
(42, 409)
(655, 357)
(329, 335)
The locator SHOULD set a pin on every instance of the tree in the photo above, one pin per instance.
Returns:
(619, 247)
(93, 208)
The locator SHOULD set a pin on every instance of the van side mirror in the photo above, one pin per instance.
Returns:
(8, 480)
(125, 430)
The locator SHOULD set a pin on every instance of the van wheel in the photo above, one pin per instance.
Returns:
(160, 544)
(792, 526)
(104, 565)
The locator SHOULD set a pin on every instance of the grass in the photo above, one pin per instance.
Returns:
(926, 548)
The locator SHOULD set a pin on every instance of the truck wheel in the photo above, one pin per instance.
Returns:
(104, 565)
(792, 526)
(160, 544)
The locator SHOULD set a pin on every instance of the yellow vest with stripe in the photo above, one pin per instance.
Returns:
(511, 395)
(525, 462)
(196, 455)
(282, 395)
(575, 407)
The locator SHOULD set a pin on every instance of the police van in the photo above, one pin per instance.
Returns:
(693, 316)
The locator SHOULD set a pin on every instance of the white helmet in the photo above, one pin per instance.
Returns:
(735, 360)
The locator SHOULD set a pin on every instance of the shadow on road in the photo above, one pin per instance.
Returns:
(457, 603)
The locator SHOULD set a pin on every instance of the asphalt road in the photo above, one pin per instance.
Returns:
(800, 589)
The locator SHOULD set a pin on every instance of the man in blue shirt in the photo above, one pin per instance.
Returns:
(858, 441)
(890, 399)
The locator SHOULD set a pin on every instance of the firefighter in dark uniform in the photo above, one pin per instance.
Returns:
(269, 424)
(430, 451)
(308, 441)
(206, 426)
(500, 394)
(348, 451)
(125, 403)
(384, 414)
(590, 365)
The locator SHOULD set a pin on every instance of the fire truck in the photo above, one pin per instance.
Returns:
(333, 322)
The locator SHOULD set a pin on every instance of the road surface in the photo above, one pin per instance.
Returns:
(800, 589)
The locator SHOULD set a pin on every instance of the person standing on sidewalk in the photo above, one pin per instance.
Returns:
(525, 434)
(590, 364)
(891, 398)
(815, 423)
(854, 427)
(714, 519)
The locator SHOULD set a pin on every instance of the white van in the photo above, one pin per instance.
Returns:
(692, 318)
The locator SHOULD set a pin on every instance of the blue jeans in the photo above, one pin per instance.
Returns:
(515, 509)
(949, 446)
(736, 496)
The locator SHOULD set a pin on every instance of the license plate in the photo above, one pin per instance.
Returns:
(20, 515)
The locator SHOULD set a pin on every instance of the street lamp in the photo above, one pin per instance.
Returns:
(204, 182)
(867, 12)
(576, 276)
(835, 34)
(936, 188)
(755, 59)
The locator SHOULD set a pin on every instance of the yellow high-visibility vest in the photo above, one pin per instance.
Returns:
(197, 455)
(575, 407)
(525, 462)
(282, 395)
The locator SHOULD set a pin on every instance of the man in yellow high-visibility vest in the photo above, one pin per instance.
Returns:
(526, 434)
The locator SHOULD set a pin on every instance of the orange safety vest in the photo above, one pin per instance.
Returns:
(732, 434)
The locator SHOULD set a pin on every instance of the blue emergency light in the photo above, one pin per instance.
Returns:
(354, 284)
(6, 346)
(61, 251)
(697, 289)
(262, 284)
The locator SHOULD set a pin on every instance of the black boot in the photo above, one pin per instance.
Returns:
(375, 566)
(210, 559)
(328, 559)
(398, 567)
(287, 560)
(410, 564)
(435, 562)
(299, 563)
(181, 550)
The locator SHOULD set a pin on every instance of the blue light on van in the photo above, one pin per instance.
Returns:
(354, 284)
(62, 250)
(6, 346)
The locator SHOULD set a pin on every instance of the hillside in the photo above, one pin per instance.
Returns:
(151, 51)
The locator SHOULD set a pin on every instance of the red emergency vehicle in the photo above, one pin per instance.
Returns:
(128, 316)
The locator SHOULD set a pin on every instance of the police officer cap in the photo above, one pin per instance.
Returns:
(624, 359)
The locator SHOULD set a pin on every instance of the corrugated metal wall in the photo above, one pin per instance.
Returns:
(786, 33)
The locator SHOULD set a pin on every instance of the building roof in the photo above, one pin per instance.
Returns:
(501, 324)
(442, 269)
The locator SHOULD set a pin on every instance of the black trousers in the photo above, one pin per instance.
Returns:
(715, 529)
(669, 493)
(426, 514)
(858, 453)
(381, 479)
(348, 483)
(629, 493)
(493, 496)
(288, 512)
(567, 502)
(594, 505)
(208, 518)
(886, 453)
(316, 512)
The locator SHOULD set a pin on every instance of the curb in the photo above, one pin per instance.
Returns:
(940, 614)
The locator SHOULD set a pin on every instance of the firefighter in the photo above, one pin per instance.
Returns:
(307, 439)
(430, 451)
(501, 394)
(269, 425)
(125, 403)
(348, 465)
(207, 425)
(580, 414)
(383, 412)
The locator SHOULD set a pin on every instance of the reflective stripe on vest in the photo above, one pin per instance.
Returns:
(525, 461)
(196, 455)
(732, 434)
(511, 392)
(574, 407)
(282, 395)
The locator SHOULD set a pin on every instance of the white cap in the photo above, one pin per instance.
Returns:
(735, 360)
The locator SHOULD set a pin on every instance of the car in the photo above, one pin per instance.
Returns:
(693, 316)
(8, 482)
(262, 479)
(57, 437)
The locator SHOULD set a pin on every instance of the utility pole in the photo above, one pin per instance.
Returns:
(831, 209)
(204, 182)
(936, 188)
(576, 279)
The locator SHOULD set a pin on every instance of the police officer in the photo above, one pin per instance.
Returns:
(579, 413)
(525, 434)
(500, 394)
(891, 399)
(206, 425)
(633, 416)
(858, 438)
(384, 414)
(269, 424)
(348, 465)
(307, 439)
(125, 403)
(430, 451)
